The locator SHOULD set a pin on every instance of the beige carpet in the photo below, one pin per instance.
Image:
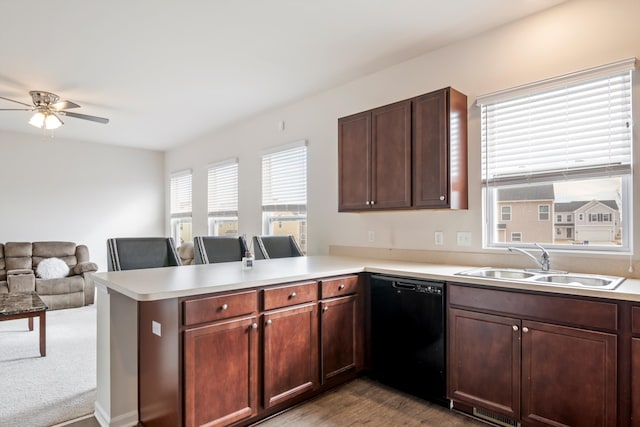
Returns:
(40, 391)
(364, 402)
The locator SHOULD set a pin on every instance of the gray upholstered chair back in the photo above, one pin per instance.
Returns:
(132, 253)
(212, 249)
(267, 247)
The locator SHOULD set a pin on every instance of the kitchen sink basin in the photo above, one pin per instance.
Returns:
(498, 273)
(557, 278)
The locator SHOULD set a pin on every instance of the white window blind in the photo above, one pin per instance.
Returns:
(223, 189)
(284, 180)
(577, 129)
(181, 194)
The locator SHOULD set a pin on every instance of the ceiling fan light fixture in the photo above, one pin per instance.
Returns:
(45, 120)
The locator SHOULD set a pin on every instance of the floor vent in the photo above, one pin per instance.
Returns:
(494, 418)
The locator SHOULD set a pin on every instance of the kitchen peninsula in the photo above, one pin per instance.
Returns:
(124, 320)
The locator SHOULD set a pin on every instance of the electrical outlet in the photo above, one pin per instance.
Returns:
(372, 236)
(156, 328)
(438, 238)
(464, 238)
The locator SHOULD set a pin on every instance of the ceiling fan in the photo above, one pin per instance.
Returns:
(48, 106)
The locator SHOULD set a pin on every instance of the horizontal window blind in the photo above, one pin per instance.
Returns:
(284, 180)
(223, 189)
(181, 183)
(578, 128)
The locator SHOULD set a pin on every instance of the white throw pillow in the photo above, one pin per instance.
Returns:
(52, 268)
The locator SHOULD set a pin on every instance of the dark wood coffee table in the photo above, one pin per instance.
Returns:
(20, 305)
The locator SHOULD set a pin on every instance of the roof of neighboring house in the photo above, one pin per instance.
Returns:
(574, 206)
(537, 192)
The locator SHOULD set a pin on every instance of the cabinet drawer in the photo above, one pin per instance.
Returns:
(635, 320)
(219, 307)
(339, 286)
(283, 296)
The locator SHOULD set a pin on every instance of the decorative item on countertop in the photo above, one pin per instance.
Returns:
(247, 259)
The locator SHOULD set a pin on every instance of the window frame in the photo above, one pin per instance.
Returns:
(180, 216)
(624, 171)
(230, 214)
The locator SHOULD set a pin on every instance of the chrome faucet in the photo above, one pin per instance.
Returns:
(545, 261)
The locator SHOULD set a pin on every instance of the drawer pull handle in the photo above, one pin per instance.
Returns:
(441, 197)
(254, 326)
(293, 295)
(224, 307)
(515, 327)
(525, 329)
(325, 308)
(269, 322)
(341, 287)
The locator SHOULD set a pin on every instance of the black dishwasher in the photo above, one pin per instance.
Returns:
(408, 336)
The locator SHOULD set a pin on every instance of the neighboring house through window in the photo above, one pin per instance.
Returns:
(180, 189)
(560, 148)
(284, 192)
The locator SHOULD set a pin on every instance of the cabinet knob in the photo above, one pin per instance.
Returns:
(293, 295)
(269, 322)
(373, 203)
(325, 308)
(525, 329)
(367, 203)
(515, 327)
(341, 287)
(224, 307)
(441, 197)
(254, 326)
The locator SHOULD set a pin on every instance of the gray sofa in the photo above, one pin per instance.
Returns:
(18, 272)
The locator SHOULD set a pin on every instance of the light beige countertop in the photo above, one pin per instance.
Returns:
(173, 282)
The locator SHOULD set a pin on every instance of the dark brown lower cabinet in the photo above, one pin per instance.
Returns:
(533, 372)
(569, 376)
(221, 372)
(635, 382)
(339, 337)
(290, 365)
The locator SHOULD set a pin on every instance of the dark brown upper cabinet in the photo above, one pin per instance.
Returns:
(408, 155)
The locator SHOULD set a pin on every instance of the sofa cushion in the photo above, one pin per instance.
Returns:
(3, 270)
(52, 268)
(17, 255)
(59, 286)
(4, 288)
(66, 251)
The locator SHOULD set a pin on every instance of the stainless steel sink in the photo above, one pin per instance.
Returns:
(547, 277)
(588, 280)
(498, 273)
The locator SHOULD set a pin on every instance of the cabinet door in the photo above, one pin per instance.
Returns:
(484, 361)
(338, 326)
(220, 372)
(568, 376)
(635, 382)
(391, 156)
(290, 353)
(430, 150)
(354, 162)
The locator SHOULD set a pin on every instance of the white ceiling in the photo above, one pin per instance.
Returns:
(165, 72)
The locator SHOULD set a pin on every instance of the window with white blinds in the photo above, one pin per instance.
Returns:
(180, 206)
(584, 127)
(181, 183)
(284, 192)
(284, 179)
(223, 198)
(566, 144)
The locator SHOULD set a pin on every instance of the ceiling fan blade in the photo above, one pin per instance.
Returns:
(85, 117)
(17, 109)
(63, 105)
(17, 102)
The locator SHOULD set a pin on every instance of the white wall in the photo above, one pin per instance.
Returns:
(55, 189)
(573, 36)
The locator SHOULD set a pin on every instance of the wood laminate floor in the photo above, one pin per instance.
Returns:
(361, 402)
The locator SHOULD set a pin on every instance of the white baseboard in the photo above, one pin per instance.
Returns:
(129, 419)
